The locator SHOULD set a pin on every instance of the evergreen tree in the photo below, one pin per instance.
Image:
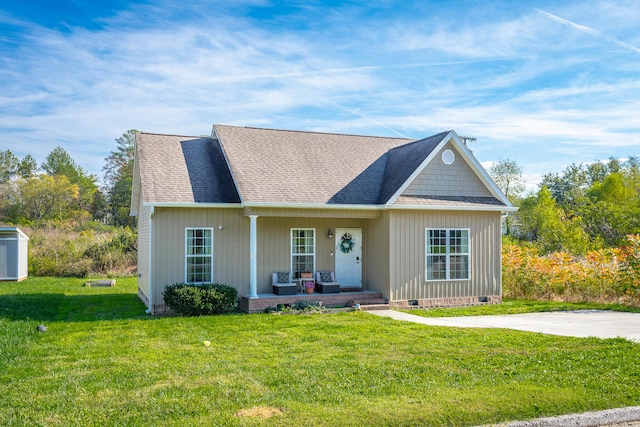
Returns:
(119, 178)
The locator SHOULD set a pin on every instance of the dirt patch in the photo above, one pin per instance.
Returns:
(263, 412)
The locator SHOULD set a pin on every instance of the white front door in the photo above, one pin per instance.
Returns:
(348, 252)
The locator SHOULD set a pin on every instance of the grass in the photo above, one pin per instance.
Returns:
(103, 362)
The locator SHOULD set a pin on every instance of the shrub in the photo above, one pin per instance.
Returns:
(199, 300)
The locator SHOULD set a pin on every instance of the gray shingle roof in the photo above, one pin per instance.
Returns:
(282, 167)
(183, 169)
(439, 201)
(306, 167)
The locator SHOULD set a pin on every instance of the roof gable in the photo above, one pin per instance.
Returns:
(485, 189)
(403, 161)
(456, 179)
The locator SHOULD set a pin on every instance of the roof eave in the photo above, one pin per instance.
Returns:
(312, 206)
(191, 205)
(488, 208)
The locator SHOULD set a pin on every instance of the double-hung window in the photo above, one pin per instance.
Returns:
(303, 251)
(199, 255)
(447, 254)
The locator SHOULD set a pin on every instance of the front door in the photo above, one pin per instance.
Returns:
(348, 252)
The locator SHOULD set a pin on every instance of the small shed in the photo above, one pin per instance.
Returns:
(14, 254)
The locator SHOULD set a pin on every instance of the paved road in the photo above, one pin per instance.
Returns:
(579, 323)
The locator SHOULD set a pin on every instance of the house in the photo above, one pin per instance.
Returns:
(14, 254)
(415, 221)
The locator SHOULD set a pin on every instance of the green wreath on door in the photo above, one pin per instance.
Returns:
(346, 243)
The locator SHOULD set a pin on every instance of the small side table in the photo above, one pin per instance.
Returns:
(302, 280)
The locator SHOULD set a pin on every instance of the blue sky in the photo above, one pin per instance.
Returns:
(545, 83)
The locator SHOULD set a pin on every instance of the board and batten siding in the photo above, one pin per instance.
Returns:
(144, 271)
(407, 254)
(378, 258)
(274, 244)
(441, 179)
(230, 246)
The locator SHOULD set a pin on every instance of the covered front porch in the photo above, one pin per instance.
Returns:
(288, 245)
(347, 298)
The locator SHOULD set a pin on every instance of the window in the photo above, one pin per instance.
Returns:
(199, 255)
(303, 249)
(447, 254)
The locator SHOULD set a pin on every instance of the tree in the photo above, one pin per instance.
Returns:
(543, 222)
(568, 188)
(40, 198)
(60, 163)
(27, 167)
(8, 166)
(508, 177)
(119, 178)
(613, 211)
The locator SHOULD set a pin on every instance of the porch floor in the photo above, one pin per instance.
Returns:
(341, 299)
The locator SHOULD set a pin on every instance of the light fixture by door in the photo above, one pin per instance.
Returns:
(329, 233)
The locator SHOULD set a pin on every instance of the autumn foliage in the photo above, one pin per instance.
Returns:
(604, 275)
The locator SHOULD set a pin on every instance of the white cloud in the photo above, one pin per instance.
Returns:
(518, 81)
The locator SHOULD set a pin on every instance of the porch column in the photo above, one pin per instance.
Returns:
(253, 256)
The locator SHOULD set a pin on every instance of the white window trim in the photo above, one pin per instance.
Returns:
(291, 254)
(448, 255)
(186, 255)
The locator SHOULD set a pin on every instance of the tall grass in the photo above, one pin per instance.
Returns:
(603, 276)
(81, 250)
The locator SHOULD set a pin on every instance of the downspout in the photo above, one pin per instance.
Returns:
(150, 309)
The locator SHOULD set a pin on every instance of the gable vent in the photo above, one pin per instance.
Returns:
(448, 157)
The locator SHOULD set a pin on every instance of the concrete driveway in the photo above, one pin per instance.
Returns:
(579, 323)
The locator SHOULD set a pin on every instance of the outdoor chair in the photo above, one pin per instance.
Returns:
(326, 282)
(281, 283)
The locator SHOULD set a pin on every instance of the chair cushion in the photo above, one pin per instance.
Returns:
(325, 276)
(283, 277)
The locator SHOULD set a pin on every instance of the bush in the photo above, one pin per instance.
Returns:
(199, 300)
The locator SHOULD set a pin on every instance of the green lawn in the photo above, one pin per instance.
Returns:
(103, 362)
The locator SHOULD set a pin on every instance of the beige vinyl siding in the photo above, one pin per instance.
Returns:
(230, 246)
(144, 273)
(377, 257)
(440, 179)
(274, 244)
(407, 243)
